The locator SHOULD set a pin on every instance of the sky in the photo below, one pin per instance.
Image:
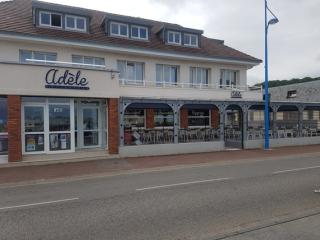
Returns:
(294, 43)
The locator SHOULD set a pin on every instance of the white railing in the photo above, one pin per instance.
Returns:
(144, 83)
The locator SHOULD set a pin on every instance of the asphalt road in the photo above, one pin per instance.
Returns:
(215, 201)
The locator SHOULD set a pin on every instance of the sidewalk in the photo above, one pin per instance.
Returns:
(17, 174)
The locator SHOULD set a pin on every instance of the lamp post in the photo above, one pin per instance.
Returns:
(273, 20)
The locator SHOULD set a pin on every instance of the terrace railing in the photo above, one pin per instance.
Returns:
(155, 84)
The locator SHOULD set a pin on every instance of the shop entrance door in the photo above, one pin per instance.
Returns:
(90, 120)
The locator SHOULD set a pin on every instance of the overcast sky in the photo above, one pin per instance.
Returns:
(294, 42)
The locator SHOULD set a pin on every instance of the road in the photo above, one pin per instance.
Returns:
(240, 200)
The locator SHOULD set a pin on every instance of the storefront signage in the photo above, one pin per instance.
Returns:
(236, 94)
(66, 80)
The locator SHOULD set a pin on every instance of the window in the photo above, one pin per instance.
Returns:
(34, 128)
(76, 23)
(228, 78)
(199, 76)
(166, 74)
(119, 29)
(47, 125)
(131, 72)
(174, 37)
(3, 127)
(198, 118)
(27, 56)
(292, 94)
(134, 118)
(51, 19)
(163, 118)
(190, 40)
(139, 32)
(90, 61)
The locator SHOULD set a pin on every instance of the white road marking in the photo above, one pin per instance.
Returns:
(181, 184)
(40, 203)
(295, 170)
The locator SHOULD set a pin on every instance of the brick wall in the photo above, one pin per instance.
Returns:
(14, 129)
(113, 125)
(149, 118)
(184, 118)
(215, 118)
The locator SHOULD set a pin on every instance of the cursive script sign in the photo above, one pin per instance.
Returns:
(236, 94)
(67, 80)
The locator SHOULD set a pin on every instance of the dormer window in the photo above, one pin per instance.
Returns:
(139, 32)
(119, 29)
(190, 40)
(75, 23)
(49, 19)
(174, 37)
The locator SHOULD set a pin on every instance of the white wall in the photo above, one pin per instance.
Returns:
(10, 52)
(282, 142)
(169, 149)
(30, 80)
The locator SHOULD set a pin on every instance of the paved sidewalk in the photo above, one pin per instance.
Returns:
(16, 174)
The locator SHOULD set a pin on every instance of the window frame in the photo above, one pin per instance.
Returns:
(202, 69)
(292, 94)
(200, 117)
(190, 43)
(50, 25)
(157, 116)
(163, 82)
(75, 18)
(88, 65)
(33, 52)
(174, 37)
(230, 72)
(126, 79)
(136, 116)
(139, 37)
(119, 30)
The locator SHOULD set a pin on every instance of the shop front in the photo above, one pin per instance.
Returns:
(62, 125)
(57, 112)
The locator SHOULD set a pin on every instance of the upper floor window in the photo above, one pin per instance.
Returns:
(51, 19)
(199, 76)
(166, 74)
(119, 29)
(292, 94)
(27, 56)
(89, 61)
(76, 23)
(131, 72)
(139, 32)
(190, 40)
(174, 37)
(228, 78)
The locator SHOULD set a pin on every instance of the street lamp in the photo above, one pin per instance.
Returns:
(272, 21)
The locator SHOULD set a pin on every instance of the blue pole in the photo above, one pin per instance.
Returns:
(266, 84)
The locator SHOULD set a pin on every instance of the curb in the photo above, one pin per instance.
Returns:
(55, 162)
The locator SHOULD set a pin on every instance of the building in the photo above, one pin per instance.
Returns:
(300, 92)
(83, 83)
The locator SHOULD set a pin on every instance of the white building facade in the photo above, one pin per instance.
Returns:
(82, 83)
